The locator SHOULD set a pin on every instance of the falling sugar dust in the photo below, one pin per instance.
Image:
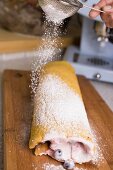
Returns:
(48, 51)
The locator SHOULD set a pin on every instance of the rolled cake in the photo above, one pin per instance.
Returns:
(60, 126)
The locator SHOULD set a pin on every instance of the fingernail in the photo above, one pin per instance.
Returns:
(94, 5)
(107, 8)
(97, 7)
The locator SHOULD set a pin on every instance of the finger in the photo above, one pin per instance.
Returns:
(108, 19)
(111, 21)
(105, 17)
(108, 8)
(104, 3)
(99, 5)
(111, 17)
(109, 25)
(93, 13)
(108, 15)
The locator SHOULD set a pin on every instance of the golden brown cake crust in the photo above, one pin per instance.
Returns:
(66, 73)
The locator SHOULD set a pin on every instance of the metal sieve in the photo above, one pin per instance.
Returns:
(62, 8)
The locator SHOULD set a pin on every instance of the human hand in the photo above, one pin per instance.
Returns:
(107, 17)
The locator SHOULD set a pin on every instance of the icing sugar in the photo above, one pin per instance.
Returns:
(48, 166)
(54, 98)
(53, 14)
(59, 109)
(56, 101)
(48, 51)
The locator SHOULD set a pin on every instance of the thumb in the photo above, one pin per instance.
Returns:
(108, 8)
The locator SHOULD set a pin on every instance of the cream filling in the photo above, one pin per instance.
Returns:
(76, 149)
(61, 111)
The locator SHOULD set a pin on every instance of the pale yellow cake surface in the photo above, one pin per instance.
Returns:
(66, 73)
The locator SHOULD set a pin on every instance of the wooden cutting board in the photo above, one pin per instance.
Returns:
(17, 121)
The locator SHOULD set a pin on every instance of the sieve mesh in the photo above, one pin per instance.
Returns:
(59, 7)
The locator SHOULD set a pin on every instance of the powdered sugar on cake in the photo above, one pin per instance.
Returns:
(48, 51)
(55, 100)
(59, 109)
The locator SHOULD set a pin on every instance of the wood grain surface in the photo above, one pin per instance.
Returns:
(17, 121)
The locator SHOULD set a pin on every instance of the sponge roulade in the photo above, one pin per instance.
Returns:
(60, 126)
